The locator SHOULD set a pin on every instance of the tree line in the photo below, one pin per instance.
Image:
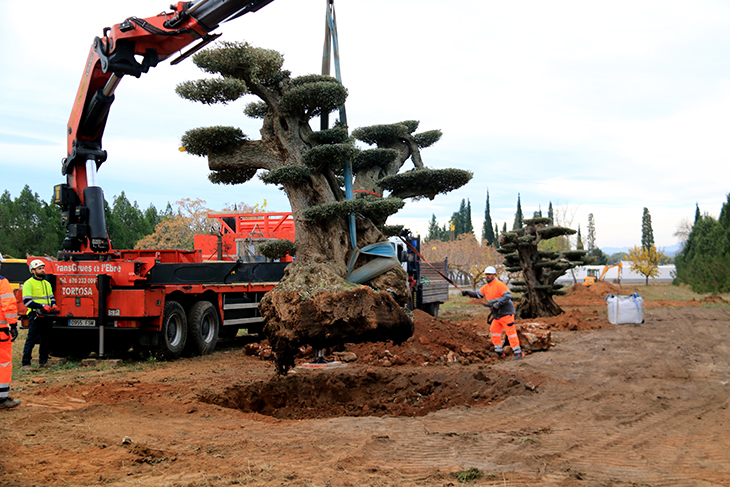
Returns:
(457, 238)
(704, 261)
(31, 226)
(461, 224)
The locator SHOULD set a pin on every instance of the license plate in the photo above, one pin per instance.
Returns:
(81, 323)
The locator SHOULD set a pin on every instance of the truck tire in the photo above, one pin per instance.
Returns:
(72, 343)
(174, 331)
(203, 328)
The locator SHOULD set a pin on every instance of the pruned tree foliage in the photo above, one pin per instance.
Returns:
(288, 175)
(540, 269)
(201, 141)
(418, 183)
(211, 91)
(277, 249)
(309, 166)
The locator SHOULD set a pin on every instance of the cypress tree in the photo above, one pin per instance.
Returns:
(434, 232)
(518, 215)
(724, 219)
(591, 237)
(551, 215)
(579, 241)
(488, 234)
(697, 212)
(647, 234)
(466, 218)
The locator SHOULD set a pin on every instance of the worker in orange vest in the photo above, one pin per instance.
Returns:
(8, 334)
(499, 299)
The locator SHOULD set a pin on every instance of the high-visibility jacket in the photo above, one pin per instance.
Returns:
(8, 306)
(499, 296)
(8, 317)
(37, 293)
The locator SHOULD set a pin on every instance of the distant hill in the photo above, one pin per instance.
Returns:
(669, 251)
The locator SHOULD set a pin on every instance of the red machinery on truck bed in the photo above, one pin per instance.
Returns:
(241, 232)
(169, 300)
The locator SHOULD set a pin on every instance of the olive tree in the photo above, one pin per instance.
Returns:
(540, 268)
(315, 303)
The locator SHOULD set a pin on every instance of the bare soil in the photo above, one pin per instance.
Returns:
(627, 405)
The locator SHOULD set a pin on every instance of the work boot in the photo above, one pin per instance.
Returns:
(498, 354)
(8, 403)
(44, 365)
(27, 368)
(518, 356)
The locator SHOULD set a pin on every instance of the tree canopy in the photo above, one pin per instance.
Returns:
(646, 261)
(489, 234)
(704, 262)
(312, 168)
(647, 233)
(540, 268)
(29, 225)
(519, 217)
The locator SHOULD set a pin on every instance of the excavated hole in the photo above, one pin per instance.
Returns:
(372, 392)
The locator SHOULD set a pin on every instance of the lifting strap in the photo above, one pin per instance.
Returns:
(384, 251)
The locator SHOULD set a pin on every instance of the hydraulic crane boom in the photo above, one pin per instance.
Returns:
(128, 48)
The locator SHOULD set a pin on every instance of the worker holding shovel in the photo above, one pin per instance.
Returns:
(499, 299)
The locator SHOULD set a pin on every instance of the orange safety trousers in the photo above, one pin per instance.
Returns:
(6, 362)
(506, 324)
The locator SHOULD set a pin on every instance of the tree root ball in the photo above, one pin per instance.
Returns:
(313, 305)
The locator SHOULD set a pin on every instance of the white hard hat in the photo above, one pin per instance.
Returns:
(35, 264)
(490, 270)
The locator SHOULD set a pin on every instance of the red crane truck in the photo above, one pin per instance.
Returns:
(168, 300)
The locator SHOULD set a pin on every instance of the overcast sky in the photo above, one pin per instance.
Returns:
(597, 107)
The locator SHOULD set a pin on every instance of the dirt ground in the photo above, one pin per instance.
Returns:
(627, 405)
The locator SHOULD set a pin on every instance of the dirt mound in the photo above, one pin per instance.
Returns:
(438, 341)
(580, 295)
(713, 299)
(308, 394)
(434, 341)
(572, 320)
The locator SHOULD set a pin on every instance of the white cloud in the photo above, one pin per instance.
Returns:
(608, 108)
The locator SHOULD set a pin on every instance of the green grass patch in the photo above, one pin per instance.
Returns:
(668, 292)
(468, 475)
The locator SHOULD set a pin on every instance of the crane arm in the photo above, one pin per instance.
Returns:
(606, 268)
(131, 47)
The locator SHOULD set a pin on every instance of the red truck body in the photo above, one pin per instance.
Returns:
(153, 298)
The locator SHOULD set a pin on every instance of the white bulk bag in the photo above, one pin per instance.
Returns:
(625, 309)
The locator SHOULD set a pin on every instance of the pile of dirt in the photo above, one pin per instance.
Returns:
(435, 341)
(572, 320)
(713, 299)
(580, 295)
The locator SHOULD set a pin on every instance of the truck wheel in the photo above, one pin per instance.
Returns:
(174, 331)
(203, 326)
(73, 343)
